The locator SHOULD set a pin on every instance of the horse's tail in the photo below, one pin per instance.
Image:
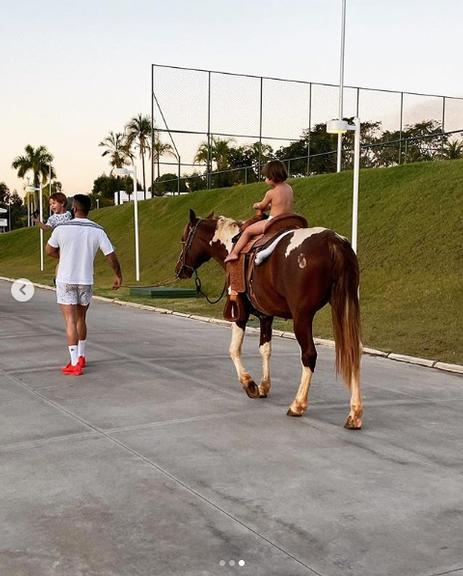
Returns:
(345, 310)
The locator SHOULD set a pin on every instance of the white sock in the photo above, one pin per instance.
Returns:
(73, 354)
(82, 347)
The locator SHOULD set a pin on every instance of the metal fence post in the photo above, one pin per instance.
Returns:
(401, 126)
(443, 125)
(209, 143)
(260, 128)
(310, 129)
(152, 130)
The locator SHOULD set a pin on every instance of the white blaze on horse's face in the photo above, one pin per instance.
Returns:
(299, 236)
(225, 230)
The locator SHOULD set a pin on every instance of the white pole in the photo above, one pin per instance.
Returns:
(135, 216)
(41, 220)
(341, 83)
(355, 195)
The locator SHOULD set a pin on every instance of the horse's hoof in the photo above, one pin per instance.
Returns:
(291, 412)
(252, 390)
(262, 395)
(353, 424)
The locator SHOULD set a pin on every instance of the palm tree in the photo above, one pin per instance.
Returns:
(138, 132)
(161, 149)
(452, 150)
(116, 146)
(38, 161)
(219, 152)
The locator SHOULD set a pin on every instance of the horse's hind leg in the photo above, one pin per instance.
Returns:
(265, 349)
(354, 419)
(248, 384)
(303, 333)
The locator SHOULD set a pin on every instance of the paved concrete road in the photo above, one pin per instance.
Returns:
(155, 463)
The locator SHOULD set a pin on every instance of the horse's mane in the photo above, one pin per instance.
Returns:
(223, 220)
(225, 229)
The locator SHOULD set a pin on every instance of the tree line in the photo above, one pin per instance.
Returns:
(315, 151)
(221, 163)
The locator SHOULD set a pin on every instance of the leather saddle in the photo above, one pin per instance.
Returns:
(239, 272)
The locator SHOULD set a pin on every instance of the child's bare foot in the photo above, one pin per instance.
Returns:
(231, 257)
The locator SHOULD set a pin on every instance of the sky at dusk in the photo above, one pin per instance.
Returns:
(72, 71)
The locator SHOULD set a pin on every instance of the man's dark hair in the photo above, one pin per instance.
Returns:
(275, 171)
(82, 203)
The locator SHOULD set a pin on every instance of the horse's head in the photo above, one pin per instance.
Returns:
(196, 246)
(205, 238)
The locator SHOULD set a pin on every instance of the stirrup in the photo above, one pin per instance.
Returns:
(234, 309)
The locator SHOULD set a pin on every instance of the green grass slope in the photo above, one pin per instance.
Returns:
(409, 245)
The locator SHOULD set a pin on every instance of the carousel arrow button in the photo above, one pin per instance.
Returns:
(22, 290)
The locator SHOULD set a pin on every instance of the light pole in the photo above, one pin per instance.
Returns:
(39, 190)
(339, 126)
(341, 85)
(133, 172)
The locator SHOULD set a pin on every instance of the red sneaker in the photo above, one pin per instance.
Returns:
(71, 370)
(81, 362)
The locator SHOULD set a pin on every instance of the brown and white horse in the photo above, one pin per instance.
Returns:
(309, 268)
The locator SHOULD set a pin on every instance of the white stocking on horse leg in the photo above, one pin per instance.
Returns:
(265, 351)
(301, 401)
(244, 377)
(354, 420)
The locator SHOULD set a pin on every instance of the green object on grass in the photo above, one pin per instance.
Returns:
(163, 292)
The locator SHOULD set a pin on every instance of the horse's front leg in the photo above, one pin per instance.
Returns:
(303, 333)
(236, 343)
(265, 349)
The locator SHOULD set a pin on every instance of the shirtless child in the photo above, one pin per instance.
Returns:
(280, 198)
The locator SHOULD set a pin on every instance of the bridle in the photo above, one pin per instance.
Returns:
(181, 264)
(186, 246)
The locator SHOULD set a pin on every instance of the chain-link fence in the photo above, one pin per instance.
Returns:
(213, 129)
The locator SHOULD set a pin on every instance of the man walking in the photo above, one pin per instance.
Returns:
(75, 244)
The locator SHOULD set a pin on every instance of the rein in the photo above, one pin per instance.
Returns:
(199, 290)
(181, 261)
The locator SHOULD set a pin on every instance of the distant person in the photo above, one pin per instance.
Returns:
(76, 243)
(280, 200)
(57, 203)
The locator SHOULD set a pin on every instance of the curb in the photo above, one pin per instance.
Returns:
(436, 364)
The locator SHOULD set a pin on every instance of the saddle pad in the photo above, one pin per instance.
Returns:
(265, 253)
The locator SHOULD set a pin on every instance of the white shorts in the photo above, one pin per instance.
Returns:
(73, 293)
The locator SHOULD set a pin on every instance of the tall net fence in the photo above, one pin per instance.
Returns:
(212, 129)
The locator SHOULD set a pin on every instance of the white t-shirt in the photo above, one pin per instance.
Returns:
(78, 241)
(56, 219)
